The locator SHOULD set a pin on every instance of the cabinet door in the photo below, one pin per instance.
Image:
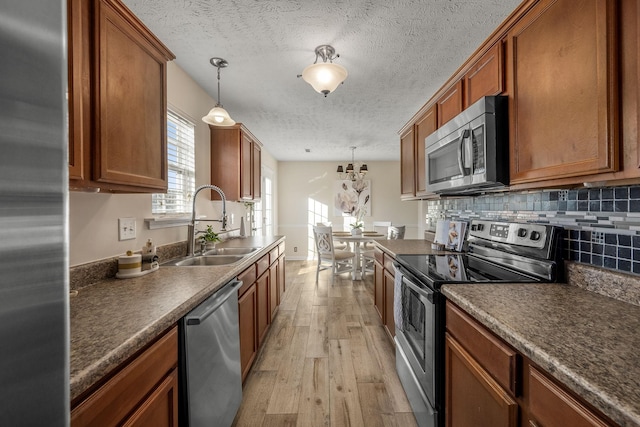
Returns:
(450, 104)
(246, 168)
(550, 405)
(247, 321)
(130, 103)
(389, 321)
(378, 288)
(273, 290)
(473, 398)
(161, 408)
(126, 392)
(407, 165)
(424, 127)
(486, 76)
(257, 172)
(563, 80)
(263, 311)
(281, 278)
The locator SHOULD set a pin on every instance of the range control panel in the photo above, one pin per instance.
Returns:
(521, 234)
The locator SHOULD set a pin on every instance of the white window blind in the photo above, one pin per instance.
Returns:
(181, 168)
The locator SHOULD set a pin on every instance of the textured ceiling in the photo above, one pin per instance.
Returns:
(397, 53)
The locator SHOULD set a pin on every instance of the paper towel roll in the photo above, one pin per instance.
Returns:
(128, 264)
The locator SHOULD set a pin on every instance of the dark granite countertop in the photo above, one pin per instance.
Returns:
(113, 319)
(587, 341)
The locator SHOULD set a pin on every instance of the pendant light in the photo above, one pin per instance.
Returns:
(218, 116)
(327, 76)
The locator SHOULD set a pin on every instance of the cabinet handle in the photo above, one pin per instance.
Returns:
(533, 423)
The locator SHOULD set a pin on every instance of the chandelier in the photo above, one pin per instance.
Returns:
(324, 77)
(350, 172)
(218, 116)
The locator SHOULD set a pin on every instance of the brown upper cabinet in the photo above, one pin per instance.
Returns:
(486, 76)
(235, 163)
(564, 104)
(407, 164)
(451, 103)
(117, 100)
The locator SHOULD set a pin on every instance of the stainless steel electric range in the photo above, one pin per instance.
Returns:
(497, 252)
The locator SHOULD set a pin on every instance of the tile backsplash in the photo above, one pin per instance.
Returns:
(602, 225)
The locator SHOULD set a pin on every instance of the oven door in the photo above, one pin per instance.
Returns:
(415, 318)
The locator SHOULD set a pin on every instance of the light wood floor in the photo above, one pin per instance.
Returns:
(326, 360)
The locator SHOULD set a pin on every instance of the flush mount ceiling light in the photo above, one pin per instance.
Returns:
(218, 116)
(350, 172)
(324, 77)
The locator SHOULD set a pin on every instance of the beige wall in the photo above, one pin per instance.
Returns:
(93, 217)
(300, 182)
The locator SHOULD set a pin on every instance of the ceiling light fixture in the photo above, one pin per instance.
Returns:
(324, 77)
(218, 116)
(350, 172)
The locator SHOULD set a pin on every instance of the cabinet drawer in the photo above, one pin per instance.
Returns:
(388, 263)
(128, 388)
(262, 265)
(378, 255)
(281, 249)
(497, 358)
(551, 405)
(273, 255)
(247, 277)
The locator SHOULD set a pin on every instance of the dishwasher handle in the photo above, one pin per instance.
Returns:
(214, 302)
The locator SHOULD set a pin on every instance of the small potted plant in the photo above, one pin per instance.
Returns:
(356, 228)
(209, 238)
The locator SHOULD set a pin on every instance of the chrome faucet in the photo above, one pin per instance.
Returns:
(192, 225)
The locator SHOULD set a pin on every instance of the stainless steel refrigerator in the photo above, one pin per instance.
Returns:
(34, 308)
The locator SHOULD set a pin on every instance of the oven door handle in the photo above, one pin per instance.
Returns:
(427, 293)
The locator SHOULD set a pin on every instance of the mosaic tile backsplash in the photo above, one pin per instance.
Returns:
(602, 225)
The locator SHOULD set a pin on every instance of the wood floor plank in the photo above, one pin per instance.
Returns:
(365, 363)
(254, 404)
(279, 336)
(280, 420)
(344, 399)
(375, 404)
(380, 346)
(314, 397)
(286, 392)
(318, 344)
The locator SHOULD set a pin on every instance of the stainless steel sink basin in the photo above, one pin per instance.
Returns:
(205, 260)
(231, 251)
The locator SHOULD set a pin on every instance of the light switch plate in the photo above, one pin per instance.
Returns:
(126, 228)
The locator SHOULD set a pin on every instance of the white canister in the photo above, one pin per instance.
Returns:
(129, 264)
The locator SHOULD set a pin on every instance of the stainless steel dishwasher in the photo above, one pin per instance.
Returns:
(211, 379)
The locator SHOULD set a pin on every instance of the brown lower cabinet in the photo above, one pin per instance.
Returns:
(143, 392)
(384, 273)
(488, 383)
(258, 300)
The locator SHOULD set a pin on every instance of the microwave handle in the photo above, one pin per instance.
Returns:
(465, 134)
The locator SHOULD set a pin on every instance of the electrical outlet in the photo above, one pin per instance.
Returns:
(126, 228)
(295, 249)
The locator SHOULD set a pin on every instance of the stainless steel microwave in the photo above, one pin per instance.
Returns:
(470, 153)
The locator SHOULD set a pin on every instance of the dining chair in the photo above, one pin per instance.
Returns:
(396, 232)
(341, 245)
(393, 233)
(329, 258)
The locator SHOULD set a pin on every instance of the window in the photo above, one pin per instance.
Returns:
(181, 165)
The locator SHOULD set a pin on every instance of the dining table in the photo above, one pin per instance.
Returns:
(356, 241)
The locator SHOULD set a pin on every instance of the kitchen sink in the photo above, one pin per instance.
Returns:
(231, 251)
(205, 260)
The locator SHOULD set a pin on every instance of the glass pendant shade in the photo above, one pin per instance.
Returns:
(218, 116)
(324, 77)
